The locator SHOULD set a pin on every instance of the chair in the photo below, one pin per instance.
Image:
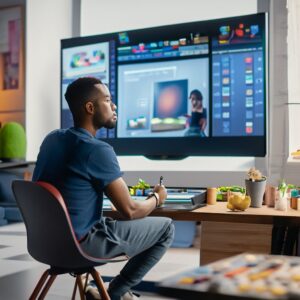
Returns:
(51, 239)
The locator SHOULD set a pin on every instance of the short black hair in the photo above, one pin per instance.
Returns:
(79, 92)
(197, 93)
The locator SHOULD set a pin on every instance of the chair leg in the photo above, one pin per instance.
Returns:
(80, 287)
(86, 281)
(47, 287)
(100, 285)
(39, 285)
(74, 291)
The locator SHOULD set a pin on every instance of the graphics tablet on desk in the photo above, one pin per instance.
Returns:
(185, 201)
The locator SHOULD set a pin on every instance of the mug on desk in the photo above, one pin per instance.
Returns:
(211, 196)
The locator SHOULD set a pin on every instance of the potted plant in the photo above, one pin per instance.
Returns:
(255, 187)
(140, 189)
(281, 199)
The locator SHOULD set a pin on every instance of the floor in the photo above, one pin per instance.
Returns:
(19, 272)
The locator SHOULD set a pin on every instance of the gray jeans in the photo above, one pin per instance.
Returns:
(144, 240)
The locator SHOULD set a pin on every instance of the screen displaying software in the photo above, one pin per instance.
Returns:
(155, 96)
(202, 81)
(238, 82)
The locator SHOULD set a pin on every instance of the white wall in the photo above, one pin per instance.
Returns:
(46, 23)
(115, 15)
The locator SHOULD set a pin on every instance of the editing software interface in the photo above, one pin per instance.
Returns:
(201, 79)
(238, 82)
(155, 80)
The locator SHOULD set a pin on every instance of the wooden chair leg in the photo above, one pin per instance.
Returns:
(74, 291)
(80, 287)
(100, 285)
(47, 287)
(39, 285)
(86, 281)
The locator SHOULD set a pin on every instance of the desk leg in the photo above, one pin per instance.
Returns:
(220, 240)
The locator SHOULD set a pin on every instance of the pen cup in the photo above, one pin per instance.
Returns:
(211, 196)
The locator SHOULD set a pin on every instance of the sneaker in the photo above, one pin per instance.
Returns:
(93, 294)
(130, 296)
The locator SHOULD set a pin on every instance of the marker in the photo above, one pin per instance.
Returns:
(161, 180)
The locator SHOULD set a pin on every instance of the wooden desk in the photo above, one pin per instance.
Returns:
(225, 233)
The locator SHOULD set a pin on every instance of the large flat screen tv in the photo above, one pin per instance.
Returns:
(188, 89)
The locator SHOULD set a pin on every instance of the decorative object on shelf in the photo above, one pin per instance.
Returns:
(296, 154)
(255, 187)
(12, 142)
(281, 202)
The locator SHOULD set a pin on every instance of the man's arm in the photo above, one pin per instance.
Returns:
(118, 194)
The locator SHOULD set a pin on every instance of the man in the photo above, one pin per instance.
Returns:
(82, 168)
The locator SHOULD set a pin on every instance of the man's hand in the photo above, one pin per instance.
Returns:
(162, 192)
(117, 192)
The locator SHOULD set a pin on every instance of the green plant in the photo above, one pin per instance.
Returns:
(142, 185)
(282, 188)
(234, 188)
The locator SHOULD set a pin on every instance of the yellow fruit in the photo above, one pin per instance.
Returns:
(230, 206)
(239, 202)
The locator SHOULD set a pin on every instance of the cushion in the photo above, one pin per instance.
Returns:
(3, 222)
(2, 213)
(12, 214)
(6, 179)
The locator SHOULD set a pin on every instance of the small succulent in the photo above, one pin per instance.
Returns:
(282, 188)
(142, 184)
(255, 175)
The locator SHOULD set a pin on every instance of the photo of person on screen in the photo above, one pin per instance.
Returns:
(198, 118)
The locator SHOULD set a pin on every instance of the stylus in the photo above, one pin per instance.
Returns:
(161, 180)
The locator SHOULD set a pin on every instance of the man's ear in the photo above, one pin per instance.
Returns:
(89, 107)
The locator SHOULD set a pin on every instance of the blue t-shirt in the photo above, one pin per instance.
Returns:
(80, 167)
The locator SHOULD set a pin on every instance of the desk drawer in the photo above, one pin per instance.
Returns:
(220, 240)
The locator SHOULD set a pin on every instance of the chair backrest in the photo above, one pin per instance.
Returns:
(50, 236)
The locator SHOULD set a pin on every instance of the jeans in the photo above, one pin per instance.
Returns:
(144, 240)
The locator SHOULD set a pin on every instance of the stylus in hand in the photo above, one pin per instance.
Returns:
(161, 180)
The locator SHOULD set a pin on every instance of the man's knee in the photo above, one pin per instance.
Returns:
(169, 230)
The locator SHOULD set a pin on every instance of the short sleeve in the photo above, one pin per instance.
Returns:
(204, 113)
(103, 166)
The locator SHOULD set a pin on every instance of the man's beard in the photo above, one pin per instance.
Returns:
(99, 124)
(111, 125)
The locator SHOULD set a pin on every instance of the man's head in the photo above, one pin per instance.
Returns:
(90, 102)
(196, 98)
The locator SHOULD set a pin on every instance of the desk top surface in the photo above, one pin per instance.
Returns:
(219, 213)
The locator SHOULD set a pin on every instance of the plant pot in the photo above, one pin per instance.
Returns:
(256, 190)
